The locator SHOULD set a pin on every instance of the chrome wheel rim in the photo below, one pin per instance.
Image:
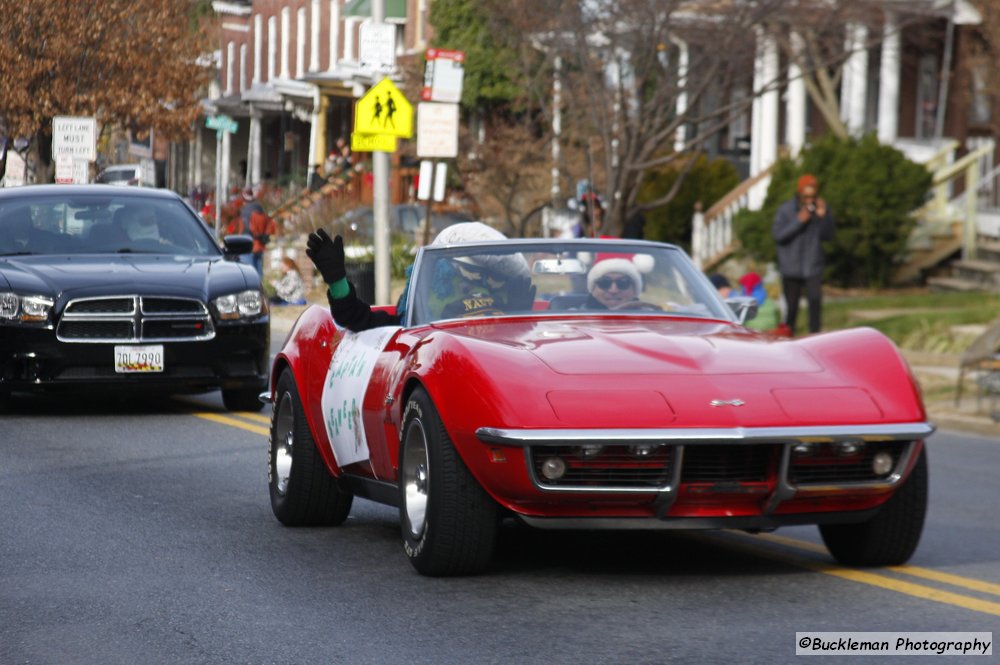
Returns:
(284, 441)
(415, 476)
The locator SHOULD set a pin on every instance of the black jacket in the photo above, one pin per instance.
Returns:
(800, 246)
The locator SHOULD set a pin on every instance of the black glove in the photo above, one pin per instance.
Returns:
(327, 255)
(520, 294)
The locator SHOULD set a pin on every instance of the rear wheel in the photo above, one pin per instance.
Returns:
(892, 535)
(303, 493)
(449, 522)
(243, 399)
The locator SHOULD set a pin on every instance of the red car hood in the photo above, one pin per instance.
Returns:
(655, 372)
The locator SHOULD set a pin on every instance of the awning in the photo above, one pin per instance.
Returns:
(395, 10)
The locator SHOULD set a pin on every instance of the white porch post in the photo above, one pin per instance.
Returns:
(225, 166)
(314, 128)
(888, 91)
(682, 98)
(334, 33)
(795, 107)
(254, 147)
(854, 88)
(764, 132)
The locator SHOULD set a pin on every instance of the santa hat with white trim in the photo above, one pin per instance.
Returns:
(630, 265)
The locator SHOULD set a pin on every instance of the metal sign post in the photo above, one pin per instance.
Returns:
(221, 124)
(380, 202)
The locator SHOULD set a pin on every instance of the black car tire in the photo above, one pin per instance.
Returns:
(303, 492)
(243, 399)
(449, 522)
(891, 536)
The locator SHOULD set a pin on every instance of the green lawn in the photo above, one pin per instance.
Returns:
(917, 321)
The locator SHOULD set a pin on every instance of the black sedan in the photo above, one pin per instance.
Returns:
(125, 288)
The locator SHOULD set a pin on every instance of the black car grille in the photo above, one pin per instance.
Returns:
(135, 319)
(624, 467)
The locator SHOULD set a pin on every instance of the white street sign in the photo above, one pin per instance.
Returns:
(424, 181)
(15, 170)
(377, 46)
(64, 169)
(147, 176)
(440, 180)
(75, 136)
(437, 130)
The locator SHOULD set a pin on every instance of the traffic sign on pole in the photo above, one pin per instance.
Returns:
(384, 110)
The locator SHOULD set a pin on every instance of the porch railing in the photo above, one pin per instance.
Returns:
(712, 231)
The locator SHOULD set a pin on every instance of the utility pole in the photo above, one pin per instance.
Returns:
(380, 202)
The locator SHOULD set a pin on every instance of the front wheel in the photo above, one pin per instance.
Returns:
(891, 536)
(303, 493)
(449, 522)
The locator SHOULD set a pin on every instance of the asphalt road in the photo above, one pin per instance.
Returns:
(140, 532)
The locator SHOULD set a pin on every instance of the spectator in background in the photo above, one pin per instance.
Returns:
(289, 289)
(800, 227)
(635, 226)
(768, 317)
(316, 179)
(721, 284)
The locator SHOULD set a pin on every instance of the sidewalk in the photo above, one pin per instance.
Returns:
(937, 374)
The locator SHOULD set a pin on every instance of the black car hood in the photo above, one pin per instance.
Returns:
(65, 277)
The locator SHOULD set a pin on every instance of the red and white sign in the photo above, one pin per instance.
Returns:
(443, 76)
(437, 130)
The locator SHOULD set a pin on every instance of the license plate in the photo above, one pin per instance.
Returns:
(139, 359)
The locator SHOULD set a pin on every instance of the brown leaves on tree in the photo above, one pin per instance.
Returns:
(124, 62)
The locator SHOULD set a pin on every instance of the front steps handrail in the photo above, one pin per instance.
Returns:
(712, 231)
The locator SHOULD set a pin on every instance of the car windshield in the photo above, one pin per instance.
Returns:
(101, 224)
(117, 175)
(564, 278)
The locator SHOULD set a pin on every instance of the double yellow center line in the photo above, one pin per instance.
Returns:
(799, 553)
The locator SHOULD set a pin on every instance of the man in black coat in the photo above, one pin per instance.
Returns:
(800, 227)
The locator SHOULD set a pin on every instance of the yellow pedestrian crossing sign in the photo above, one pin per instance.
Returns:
(384, 110)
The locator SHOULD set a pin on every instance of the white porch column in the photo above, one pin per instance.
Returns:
(224, 167)
(258, 47)
(314, 26)
(254, 148)
(764, 132)
(300, 42)
(314, 128)
(334, 33)
(888, 81)
(286, 41)
(272, 48)
(795, 107)
(854, 88)
(682, 98)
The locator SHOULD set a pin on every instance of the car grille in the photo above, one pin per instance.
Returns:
(611, 466)
(629, 468)
(135, 319)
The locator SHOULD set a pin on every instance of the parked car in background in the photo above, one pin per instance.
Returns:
(120, 174)
(593, 384)
(125, 288)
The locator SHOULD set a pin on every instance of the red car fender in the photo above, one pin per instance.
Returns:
(307, 352)
(866, 357)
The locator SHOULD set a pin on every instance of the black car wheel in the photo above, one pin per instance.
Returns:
(449, 522)
(892, 535)
(243, 399)
(303, 493)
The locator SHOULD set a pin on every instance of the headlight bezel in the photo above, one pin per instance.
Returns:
(17, 308)
(243, 306)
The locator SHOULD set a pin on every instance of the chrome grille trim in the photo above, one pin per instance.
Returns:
(87, 320)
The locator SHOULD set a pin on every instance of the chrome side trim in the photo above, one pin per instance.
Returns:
(705, 436)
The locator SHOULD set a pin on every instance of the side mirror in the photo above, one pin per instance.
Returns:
(236, 245)
(745, 307)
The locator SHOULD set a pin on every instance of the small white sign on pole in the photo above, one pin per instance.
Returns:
(64, 169)
(437, 130)
(147, 172)
(424, 180)
(440, 176)
(16, 170)
(81, 171)
(74, 136)
(377, 46)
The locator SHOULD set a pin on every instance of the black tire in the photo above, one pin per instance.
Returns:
(243, 399)
(5, 404)
(303, 493)
(892, 535)
(449, 522)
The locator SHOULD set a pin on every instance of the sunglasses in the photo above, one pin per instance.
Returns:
(623, 283)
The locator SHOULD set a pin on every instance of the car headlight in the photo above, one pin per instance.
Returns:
(24, 309)
(244, 305)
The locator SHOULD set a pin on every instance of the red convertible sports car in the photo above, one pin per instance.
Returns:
(623, 393)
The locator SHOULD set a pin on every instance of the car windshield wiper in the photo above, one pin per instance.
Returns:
(20, 253)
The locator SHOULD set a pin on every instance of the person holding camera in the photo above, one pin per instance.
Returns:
(800, 227)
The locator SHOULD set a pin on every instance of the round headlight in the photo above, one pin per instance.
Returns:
(554, 468)
(882, 463)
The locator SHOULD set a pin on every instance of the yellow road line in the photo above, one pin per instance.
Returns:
(232, 422)
(249, 415)
(874, 579)
(913, 571)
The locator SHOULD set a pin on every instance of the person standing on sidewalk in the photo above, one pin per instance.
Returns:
(800, 227)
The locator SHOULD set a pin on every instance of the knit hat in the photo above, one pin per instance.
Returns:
(807, 180)
(719, 281)
(630, 265)
(504, 264)
(754, 286)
